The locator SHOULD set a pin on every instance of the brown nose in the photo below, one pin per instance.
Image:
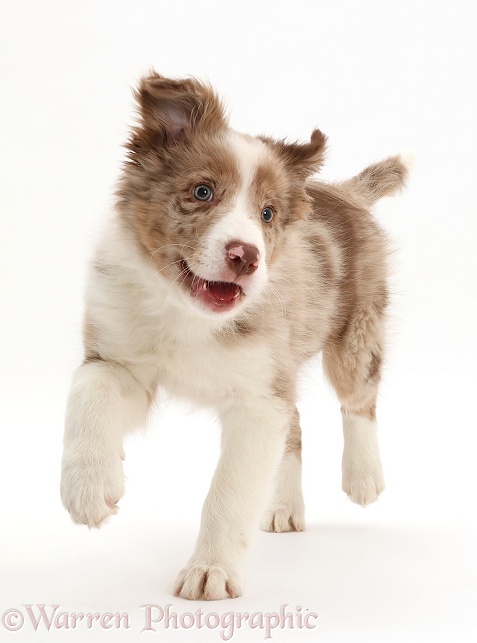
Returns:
(242, 258)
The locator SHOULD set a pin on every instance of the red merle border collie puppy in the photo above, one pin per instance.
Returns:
(225, 269)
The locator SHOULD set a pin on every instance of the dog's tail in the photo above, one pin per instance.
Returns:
(380, 179)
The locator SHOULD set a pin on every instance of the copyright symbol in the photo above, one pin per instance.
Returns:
(13, 620)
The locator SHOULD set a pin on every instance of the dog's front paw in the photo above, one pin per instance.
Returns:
(91, 487)
(208, 583)
(363, 486)
(285, 518)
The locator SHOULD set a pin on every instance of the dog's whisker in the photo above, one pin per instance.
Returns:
(188, 269)
(281, 312)
(280, 299)
(156, 273)
(173, 245)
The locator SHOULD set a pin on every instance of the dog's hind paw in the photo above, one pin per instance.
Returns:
(281, 519)
(363, 488)
(207, 583)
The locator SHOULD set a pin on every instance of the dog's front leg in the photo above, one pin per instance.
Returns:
(104, 403)
(253, 441)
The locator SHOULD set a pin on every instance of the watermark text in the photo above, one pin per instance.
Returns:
(154, 618)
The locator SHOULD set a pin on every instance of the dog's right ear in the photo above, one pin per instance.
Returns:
(171, 109)
(301, 158)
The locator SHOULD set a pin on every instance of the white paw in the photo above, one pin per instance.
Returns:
(280, 519)
(91, 486)
(363, 487)
(287, 507)
(208, 583)
(363, 479)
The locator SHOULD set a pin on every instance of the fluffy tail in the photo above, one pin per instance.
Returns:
(380, 179)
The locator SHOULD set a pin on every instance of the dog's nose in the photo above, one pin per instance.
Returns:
(242, 258)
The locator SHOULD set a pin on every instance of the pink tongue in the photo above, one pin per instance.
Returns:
(223, 291)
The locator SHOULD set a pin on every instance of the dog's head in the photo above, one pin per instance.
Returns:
(210, 205)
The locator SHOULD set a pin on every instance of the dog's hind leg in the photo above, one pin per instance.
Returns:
(287, 508)
(352, 363)
(105, 402)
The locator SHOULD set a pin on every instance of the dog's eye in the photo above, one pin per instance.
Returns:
(203, 193)
(267, 215)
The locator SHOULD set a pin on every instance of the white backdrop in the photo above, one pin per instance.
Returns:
(376, 77)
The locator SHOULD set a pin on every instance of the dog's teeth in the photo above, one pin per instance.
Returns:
(204, 286)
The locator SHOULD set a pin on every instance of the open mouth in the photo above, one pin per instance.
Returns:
(215, 295)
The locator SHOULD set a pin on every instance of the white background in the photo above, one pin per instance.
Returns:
(377, 77)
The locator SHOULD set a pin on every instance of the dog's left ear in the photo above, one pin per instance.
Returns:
(303, 158)
(170, 109)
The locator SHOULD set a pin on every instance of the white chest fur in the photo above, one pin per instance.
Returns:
(141, 322)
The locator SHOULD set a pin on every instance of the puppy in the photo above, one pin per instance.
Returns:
(226, 268)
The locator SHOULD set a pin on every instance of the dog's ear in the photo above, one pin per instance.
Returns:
(170, 109)
(302, 158)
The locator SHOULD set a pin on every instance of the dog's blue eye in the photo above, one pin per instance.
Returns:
(267, 215)
(203, 193)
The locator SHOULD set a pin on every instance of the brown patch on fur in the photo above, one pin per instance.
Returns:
(270, 187)
(377, 181)
(274, 187)
(368, 411)
(322, 251)
(284, 387)
(168, 108)
(302, 158)
(352, 355)
(352, 362)
(365, 250)
(236, 329)
(374, 368)
(170, 151)
(243, 327)
(381, 298)
(280, 184)
(169, 223)
(371, 411)
(293, 443)
(91, 352)
(175, 146)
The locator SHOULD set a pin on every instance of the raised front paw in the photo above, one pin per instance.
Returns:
(207, 582)
(91, 486)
